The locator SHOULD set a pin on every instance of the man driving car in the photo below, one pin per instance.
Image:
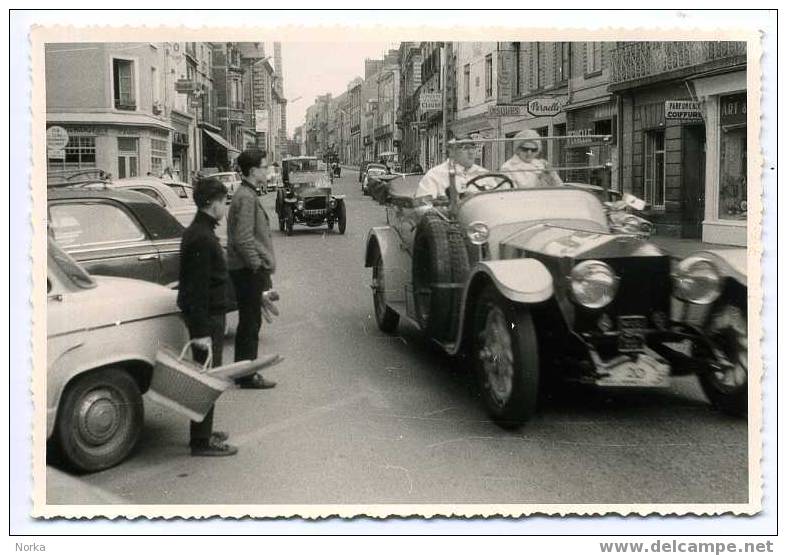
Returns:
(461, 159)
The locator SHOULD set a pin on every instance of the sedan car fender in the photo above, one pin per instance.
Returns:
(522, 280)
(397, 263)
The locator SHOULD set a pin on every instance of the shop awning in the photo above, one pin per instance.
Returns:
(221, 141)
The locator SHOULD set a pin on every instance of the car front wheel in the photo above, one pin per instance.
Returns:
(387, 319)
(99, 420)
(506, 359)
(727, 329)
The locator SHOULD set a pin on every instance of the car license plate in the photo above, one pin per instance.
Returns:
(631, 338)
(642, 371)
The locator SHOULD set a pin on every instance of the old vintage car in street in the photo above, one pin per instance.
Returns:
(102, 338)
(116, 232)
(534, 285)
(306, 197)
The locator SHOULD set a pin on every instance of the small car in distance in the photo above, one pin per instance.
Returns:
(231, 179)
(373, 171)
(102, 338)
(306, 197)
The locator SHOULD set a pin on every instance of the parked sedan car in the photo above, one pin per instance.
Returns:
(164, 194)
(102, 338)
(534, 285)
(116, 232)
(231, 179)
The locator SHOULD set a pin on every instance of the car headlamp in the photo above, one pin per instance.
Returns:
(332, 203)
(300, 205)
(696, 280)
(478, 233)
(593, 283)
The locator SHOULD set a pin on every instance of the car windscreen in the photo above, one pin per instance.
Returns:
(302, 166)
(68, 266)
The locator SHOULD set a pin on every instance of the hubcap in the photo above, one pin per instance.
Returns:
(729, 332)
(497, 356)
(99, 416)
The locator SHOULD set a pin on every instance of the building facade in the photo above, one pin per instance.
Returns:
(683, 135)
(386, 133)
(114, 115)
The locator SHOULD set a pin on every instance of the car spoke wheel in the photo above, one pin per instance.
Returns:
(99, 419)
(506, 358)
(387, 319)
(727, 329)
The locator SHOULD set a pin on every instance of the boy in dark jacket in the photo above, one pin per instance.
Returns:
(202, 297)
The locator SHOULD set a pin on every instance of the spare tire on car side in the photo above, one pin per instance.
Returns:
(440, 268)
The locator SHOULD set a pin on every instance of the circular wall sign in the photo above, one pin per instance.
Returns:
(56, 138)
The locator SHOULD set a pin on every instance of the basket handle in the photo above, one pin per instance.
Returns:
(208, 361)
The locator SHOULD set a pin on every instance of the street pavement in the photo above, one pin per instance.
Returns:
(362, 417)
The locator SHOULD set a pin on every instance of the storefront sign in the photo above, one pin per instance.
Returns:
(683, 110)
(507, 110)
(261, 121)
(732, 109)
(548, 106)
(56, 154)
(579, 134)
(430, 101)
(185, 86)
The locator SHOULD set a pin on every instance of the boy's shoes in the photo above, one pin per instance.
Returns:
(213, 448)
(220, 436)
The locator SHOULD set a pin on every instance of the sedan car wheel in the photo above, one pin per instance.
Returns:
(727, 329)
(99, 420)
(387, 319)
(506, 359)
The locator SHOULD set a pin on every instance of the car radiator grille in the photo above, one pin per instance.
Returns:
(314, 203)
(645, 287)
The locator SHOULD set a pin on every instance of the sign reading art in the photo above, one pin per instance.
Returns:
(683, 110)
(732, 109)
(550, 106)
(56, 141)
(430, 102)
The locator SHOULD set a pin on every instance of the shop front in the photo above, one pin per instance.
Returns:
(182, 158)
(121, 150)
(725, 182)
(663, 156)
(217, 152)
(596, 159)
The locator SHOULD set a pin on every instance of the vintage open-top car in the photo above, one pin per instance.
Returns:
(535, 284)
(306, 196)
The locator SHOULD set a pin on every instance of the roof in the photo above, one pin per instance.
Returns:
(118, 194)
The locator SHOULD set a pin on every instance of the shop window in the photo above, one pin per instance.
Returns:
(124, 84)
(732, 173)
(80, 153)
(655, 168)
(158, 155)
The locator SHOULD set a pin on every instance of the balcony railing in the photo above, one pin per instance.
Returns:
(641, 60)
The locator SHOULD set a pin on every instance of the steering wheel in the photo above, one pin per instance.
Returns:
(474, 182)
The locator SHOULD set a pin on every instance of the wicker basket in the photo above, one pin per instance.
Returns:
(183, 385)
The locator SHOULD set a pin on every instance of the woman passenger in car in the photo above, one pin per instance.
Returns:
(524, 168)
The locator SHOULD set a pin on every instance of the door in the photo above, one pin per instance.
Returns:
(693, 186)
(128, 157)
(105, 239)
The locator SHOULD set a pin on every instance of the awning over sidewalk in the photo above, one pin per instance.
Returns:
(221, 141)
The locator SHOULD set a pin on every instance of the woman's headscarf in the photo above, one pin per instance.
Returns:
(527, 136)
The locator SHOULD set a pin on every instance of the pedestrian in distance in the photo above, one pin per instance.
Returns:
(202, 298)
(250, 258)
(525, 168)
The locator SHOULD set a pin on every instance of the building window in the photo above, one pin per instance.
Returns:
(467, 83)
(732, 158)
(563, 62)
(517, 71)
(80, 153)
(488, 75)
(655, 168)
(592, 57)
(158, 155)
(128, 157)
(123, 81)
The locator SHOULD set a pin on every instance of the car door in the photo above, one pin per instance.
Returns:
(105, 238)
(165, 232)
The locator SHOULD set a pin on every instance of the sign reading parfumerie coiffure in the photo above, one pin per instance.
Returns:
(682, 110)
